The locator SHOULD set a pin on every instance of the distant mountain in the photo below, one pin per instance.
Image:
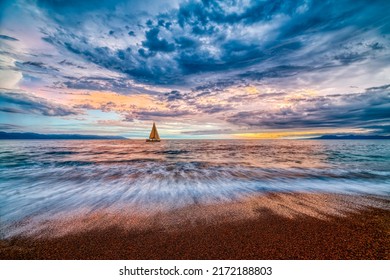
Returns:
(352, 137)
(30, 135)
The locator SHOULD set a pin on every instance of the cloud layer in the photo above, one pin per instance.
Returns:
(22, 103)
(234, 66)
(248, 40)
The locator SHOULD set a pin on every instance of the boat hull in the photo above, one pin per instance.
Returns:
(152, 140)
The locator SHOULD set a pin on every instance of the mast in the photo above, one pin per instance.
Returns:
(155, 132)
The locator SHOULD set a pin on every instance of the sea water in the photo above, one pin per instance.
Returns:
(49, 177)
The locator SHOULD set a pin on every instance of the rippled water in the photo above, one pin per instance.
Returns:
(51, 177)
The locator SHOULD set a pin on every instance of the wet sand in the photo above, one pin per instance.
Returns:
(275, 226)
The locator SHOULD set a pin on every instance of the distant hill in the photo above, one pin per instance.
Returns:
(352, 137)
(30, 135)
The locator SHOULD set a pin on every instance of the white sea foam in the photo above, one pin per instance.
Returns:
(43, 179)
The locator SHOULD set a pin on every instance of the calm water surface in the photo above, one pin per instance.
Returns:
(51, 177)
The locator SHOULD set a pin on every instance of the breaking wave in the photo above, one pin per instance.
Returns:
(51, 177)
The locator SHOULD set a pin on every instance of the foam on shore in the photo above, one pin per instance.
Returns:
(288, 205)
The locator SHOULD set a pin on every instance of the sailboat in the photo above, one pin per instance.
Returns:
(153, 137)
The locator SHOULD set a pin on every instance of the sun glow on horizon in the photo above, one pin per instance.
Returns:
(297, 134)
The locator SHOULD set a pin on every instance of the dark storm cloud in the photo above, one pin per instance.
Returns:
(24, 103)
(119, 85)
(280, 71)
(216, 86)
(176, 99)
(173, 95)
(35, 67)
(350, 57)
(349, 110)
(68, 63)
(76, 6)
(8, 38)
(377, 46)
(155, 44)
(213, 108)
(251, 41)
(384, 87)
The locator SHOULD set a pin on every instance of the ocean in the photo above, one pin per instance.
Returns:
(48, 178)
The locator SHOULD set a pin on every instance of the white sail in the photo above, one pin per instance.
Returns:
(154, 134)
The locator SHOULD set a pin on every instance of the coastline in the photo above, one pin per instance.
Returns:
(287, 227)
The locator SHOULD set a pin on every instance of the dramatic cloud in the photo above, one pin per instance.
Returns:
(249, 39)
(32, 66)
(230, 66)
(348, 110)
(9, 38)
(119, 85)
(23, 103)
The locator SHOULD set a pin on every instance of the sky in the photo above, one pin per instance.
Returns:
(200, 69)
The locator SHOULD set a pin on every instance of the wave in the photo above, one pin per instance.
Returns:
(47, 179)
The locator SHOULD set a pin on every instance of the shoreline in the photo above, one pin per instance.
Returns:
(275, 226)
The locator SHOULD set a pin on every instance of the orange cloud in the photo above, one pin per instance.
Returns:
(119, 102)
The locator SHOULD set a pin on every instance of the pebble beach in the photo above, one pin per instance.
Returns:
(272, 226)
